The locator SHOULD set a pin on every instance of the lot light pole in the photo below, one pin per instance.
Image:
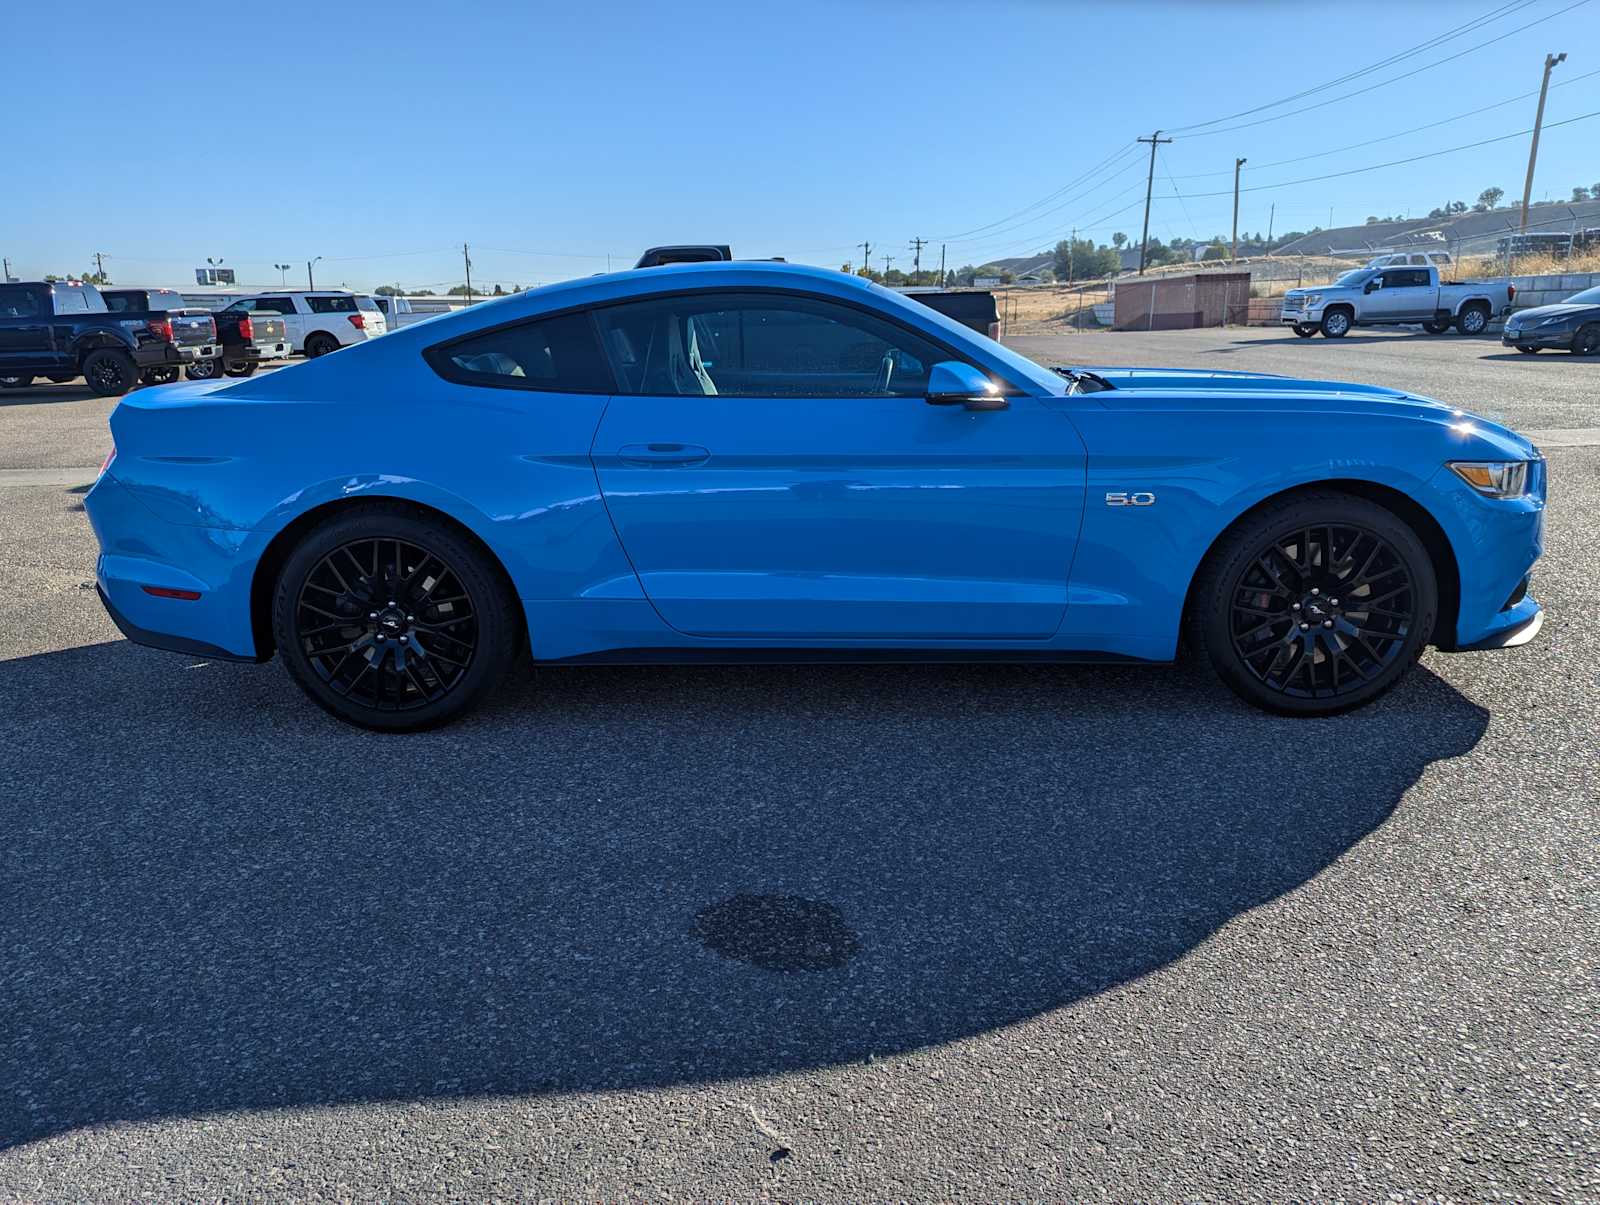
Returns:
(1551, 61)
(1237, 164)
(283, 274)
(310, 281)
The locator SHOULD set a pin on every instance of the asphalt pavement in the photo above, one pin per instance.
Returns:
(806, 931)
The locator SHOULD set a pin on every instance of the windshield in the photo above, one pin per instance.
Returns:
(1359, 277)
(1587, 297)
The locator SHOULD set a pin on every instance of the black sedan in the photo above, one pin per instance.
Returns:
(1573, 325)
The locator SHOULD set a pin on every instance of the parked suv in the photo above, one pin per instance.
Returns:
(1395, 297)
(317, 321)
(63, 329)
(193, 331)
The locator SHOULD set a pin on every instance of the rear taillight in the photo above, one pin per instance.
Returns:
(994, 330)
(1511, 292)
(247, 330)
(357, 321)
(161, 328)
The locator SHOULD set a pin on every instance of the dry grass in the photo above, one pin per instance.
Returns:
(1048, 309)
(1549, 265)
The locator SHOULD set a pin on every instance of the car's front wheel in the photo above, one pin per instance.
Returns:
(1526, 350)
(391, 619)
(1305, 329)
(15, 382)
(1315, 603)
(109, 373)
(1587, 341)
(1336, 324)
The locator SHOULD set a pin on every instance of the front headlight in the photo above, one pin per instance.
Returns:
(1312, 298)
(1493, 478)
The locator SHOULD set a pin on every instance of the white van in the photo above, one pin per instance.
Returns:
(318, 321)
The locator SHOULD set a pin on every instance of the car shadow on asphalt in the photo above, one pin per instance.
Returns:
(218, 898)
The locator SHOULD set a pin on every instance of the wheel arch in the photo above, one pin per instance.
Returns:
(1446, 570)
(279, 548)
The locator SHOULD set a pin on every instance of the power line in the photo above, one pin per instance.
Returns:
(1384, 83)
(1499, 104)
(1127, 167)
(1045, 200)
(1439, 39)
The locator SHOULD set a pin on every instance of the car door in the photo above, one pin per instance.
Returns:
(775, 472)
(25, 339)
(294, 323)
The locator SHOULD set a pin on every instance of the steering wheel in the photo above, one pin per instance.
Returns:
(880, 383)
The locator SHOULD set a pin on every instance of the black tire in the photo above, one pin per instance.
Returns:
(1437, 326)
(1265, 612)
(109, 372)
(59, 379)
(158, 376)
(1532, 351)
(1587, 341)
(1473, 320)
(345, 649)
(15, 382)
(1336, 324)
(204, 370)
(1305, 329)
(320, 344)
(244, 369)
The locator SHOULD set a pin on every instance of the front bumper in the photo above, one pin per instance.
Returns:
(1496, 542)
(1533, 337)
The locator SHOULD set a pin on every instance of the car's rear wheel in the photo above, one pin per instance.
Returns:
(204, 370)
(1437, 327)
(1587, 341)
(391, 619)
(1315, 604)
(15, 382)
(1336, 324)
(320, 344)
(158, 376)
(243, 369)
(109, 373)
(1526, 350)
(1305, 329)
(1472, 320)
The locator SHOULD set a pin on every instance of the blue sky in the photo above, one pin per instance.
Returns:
(549, 136)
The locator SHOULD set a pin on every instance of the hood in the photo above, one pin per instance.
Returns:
(1540, 312)
(1231, 381)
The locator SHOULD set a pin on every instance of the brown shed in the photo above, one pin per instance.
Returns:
(1173, 303)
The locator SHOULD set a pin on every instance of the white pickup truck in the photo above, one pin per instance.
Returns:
(402, 311)
(1395, 296)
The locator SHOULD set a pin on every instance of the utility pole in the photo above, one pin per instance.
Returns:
(941, 266)
(467, 260)
(866, 255)
(1551, 61)
(1072, 247)
(5, 270)
(1272, 215)
(888, 262)
(311, 283)
(99, 264)
(1154, 140)
(1237, 164)
(917, 244)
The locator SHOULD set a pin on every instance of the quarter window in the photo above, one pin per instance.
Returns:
(552, 354)
(332, 305)
(762, 345)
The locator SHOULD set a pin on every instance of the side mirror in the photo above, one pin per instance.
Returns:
(952, 383)
(1374, 285)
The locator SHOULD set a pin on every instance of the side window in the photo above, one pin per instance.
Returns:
(277, 305)
(762, 345)
(331, 305)
(552, 354)
(121, 303)
(70, 300)
(18, 302)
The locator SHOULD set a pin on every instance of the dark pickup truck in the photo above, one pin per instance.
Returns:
(62, 329)
(193, 332)
(248, 341)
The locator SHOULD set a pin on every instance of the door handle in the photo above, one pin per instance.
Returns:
(663, 453)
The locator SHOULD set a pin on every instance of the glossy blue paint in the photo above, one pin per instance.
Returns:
(696, 524)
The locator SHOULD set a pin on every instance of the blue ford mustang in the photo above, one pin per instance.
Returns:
(758, 461)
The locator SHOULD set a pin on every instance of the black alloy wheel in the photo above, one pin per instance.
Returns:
(320, 345)
(1316, 604)
(1305, 329)
(15, 382)
(109, 373)
(393, 621)
(1587, 341)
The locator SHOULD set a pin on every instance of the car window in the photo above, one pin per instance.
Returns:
(764, 345)
(163, 299)
(18, 302)
(331, 305)
(1411, 278)
(554, 354)
(122, 303)
(367, 304)
(279, 305)
(1587, 297)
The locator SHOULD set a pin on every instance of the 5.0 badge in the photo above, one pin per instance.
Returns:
(1123, 498)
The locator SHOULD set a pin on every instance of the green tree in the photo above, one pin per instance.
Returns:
(1489, 199)
(1580, 194)
(389, 291)
(1216, 249)
(1118, 239)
